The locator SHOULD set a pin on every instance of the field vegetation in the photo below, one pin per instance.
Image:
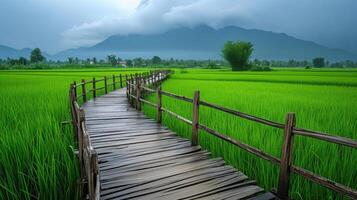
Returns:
(37, 158)
(323, 100)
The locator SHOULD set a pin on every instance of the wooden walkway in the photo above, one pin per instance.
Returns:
(141, 159)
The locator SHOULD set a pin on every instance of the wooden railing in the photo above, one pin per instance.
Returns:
(135, 86)
(87, 156)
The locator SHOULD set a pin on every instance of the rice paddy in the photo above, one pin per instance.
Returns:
(37, 159)
(36, 150)
(322, 100)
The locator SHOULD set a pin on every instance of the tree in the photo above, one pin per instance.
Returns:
(23, 61)
(318, 62)
(94, 60)
(70, 60)
(129, 63)
(36, 56)
(138, 62)
(156, 60)
(112, 59)
(238, 54)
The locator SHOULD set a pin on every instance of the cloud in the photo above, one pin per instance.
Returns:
(153, 16)
(328, 22)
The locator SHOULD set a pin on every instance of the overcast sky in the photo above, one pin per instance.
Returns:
(55, 25)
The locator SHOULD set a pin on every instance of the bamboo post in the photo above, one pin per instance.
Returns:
(286, 158)
(84, 92)
(121, 81)
(138, 95)
(113, 82)
(159, 104)
(105, 85)
(195, 117)
(94, 89)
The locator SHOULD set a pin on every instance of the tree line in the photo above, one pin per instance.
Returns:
(236, 54)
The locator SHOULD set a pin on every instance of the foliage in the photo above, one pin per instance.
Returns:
(37, 159)
(238, 54)
(36, 56)
(318, 62)
(321, 99)
(156, 60)
(256, 68)
(112, 59)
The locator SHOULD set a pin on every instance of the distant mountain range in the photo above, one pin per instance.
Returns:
(201, 42)
(13, 53)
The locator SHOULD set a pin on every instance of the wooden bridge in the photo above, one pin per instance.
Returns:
(125, 155)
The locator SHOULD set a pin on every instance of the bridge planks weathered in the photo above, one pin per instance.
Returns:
(141, 159)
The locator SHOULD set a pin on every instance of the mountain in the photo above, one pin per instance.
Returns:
(203, 42)
(8, 52)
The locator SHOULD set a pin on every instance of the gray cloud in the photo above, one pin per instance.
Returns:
(59, 24)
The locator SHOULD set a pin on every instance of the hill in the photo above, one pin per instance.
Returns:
(203, 42)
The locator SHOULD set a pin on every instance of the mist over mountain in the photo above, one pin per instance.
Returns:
(6, 52)
(9, 52)
(202, 42)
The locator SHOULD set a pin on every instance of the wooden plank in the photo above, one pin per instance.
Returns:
(141, 159)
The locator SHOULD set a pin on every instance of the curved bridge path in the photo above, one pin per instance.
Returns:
(141, 159)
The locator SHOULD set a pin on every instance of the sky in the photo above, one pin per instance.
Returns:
(56, 25)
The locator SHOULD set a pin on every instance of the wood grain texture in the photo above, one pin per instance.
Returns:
(141, 159)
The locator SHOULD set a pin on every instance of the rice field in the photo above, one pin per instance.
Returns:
(37, 158)
(323, 100)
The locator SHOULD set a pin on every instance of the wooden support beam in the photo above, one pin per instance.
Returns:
(114, 82)
(105, 85)
(138, 94)
(94, 89)
(286, 157)
(195, 117)
(159, 104)
(121, 81)
(84, 91)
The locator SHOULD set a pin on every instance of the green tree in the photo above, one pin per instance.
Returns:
(238, 54)
(112, 59)
(129, 63)
(70, 60)
(23, 61)
(94, 59)
(318, 62)
(36, 56)
(139, 62)
(156, 60)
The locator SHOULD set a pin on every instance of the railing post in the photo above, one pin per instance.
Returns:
(105, 85)
(94, 89)
(84, 92)
(113, 82)
(121, 81)
(138, 95)
(131, 89)
(195, 117)
(159, 104)
(286, 157)
(127, 86)
(80, 119)
(75, 89)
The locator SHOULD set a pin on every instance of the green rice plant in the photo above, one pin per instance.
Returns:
(321, 103)
(37, 159)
